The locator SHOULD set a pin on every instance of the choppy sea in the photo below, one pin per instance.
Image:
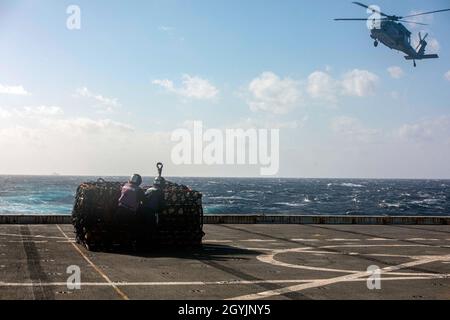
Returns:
(55, 195)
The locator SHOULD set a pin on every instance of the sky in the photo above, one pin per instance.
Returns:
(106, 98)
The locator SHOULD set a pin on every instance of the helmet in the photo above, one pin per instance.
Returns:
(159, 182)
(136, 179)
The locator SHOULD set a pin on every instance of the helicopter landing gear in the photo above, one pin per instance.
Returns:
(375, 44)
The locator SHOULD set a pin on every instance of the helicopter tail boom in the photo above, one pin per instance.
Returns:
(422, 57)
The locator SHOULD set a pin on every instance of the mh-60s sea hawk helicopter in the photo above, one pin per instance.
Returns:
(388, 30)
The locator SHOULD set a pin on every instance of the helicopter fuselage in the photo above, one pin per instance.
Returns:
(394, 35)
(388, 30)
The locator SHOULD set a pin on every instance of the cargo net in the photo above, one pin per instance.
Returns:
(178, 221)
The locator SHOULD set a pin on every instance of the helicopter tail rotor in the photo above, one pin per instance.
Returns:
(422, 44)
(420, 41)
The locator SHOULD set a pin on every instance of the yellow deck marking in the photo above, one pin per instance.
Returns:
(104, 276)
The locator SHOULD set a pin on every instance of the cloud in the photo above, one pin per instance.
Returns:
(447, 75)
(166, 29)
(31, 112)
(197, 88)
(359, 83)
(395, 95)
(353, 129)
(55, 133)
(4, 114)
(434, 45)
(41, 111)
(427, 130)
(81, 146)
(270, 93)
(395, 72)
(321, 85)
(13, 90)
(166, 84)
(252, 123)
(192, 87)
(88, 126)
(106, 104)
(49, 118)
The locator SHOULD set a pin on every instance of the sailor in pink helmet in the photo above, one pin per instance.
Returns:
(132, 195)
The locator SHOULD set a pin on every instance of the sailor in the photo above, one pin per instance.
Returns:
(152, 202)
(148, 213)
(131, 195)
(153, 195)
(129, 203)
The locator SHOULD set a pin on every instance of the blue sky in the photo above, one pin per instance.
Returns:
(112, 92)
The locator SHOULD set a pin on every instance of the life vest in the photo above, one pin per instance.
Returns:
(129, 198)
(153, 199)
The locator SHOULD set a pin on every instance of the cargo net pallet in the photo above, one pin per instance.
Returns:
(178, 222)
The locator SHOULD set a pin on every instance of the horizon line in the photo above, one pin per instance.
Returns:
(224, 177)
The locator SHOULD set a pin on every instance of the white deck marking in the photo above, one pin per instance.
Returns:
(254, 249)
(246, 240)
(338, 239)
(375, 245)
(217, 241)
(331, 281)
(30, 236)
(257, 240)
(238, 240)
(310, 240)
(27, 241)
(154, 284)
(102, 274)
(270, 257)
(204, 283)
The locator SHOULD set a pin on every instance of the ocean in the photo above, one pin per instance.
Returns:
(55, 195)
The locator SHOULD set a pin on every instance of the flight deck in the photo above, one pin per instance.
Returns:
(237, 261)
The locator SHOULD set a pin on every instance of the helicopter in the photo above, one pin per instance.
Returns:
(388, 30)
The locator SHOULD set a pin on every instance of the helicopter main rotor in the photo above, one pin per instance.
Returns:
(389, 17)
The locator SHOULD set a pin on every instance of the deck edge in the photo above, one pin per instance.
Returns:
(260, 219)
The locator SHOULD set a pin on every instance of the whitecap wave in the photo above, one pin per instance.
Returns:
(290, 204)
(387, 205)
(231, 198)
(351, 185)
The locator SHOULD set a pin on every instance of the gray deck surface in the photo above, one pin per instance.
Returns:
(236, 262)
